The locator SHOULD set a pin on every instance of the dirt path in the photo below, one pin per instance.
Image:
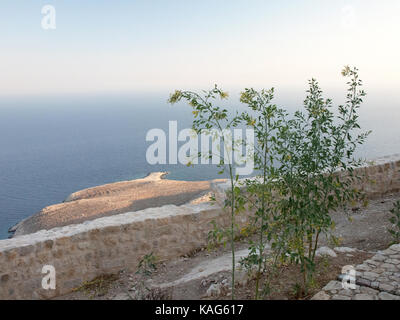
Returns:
(367, 228)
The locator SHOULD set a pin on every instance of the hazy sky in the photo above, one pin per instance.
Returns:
(153, 45)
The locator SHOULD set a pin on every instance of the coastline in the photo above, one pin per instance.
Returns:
(149, 176)
(154, 190)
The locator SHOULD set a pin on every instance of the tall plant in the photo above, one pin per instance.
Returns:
(267, 120)
(318, 144)
(212, 120)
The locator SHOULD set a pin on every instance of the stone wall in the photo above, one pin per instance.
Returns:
(82, 252)
(381, 176)
(377, 178)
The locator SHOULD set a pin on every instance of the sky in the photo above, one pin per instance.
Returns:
(160, 45)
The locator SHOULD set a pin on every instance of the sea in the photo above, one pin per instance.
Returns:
(52, 146)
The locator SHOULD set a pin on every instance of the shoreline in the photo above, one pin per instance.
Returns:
(150, 176)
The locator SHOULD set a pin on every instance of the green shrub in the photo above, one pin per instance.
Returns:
(318, 143)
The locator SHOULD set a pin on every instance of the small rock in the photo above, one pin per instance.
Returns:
(372, 263)
(393, 261)
(325, 251)
(344, 250)
(363, 267)
(333, 285)
(369, 291)
(389, 267)
(386, 287)
(321, 296)
(371, 276)
(388, 252)
(214, 290)
(363, 296)
(346, 292)
(365, 282)
(340, 297)
(379, 270)
(379, 257)
(395, 247)
(388, 296)
(122, 296)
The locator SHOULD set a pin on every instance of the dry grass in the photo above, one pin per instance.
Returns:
(97, 287)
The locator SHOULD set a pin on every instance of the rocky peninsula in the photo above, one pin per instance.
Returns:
(115, 198)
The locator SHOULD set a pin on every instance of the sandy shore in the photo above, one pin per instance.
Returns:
(115, 198)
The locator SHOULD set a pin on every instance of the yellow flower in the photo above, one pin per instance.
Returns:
(251, 122)
(175, 97)
(346, 71)
(224, 95)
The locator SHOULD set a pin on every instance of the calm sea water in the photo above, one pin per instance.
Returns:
(53, 146)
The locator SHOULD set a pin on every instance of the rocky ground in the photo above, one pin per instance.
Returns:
(106, 200)
(377, 278)
(206, 274)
